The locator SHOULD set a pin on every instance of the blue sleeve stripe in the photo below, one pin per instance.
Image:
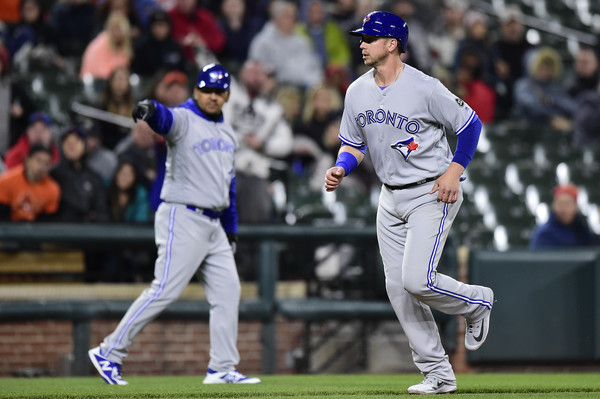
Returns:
(473, 115)
(361, 147)
(348, 142)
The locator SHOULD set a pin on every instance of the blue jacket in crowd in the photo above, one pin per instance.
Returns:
(554, 234)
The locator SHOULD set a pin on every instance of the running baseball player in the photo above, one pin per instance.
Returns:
(402, 116)
(192, 226)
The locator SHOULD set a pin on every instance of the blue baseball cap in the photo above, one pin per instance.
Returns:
(39, 117)
(213, 75)
(384, 24)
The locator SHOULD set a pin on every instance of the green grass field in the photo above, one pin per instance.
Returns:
(497, 386)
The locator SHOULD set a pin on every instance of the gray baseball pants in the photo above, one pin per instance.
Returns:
(412, 228)
(189, 243)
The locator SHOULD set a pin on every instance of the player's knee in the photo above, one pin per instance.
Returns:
(393, 287)
(162, 296)
(169, 296)
(415, 286)
(236, 289)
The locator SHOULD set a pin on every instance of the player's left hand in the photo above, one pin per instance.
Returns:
(232, 238)
(448, 184)
(447, 187)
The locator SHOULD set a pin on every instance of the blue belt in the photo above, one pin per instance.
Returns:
(205, 212)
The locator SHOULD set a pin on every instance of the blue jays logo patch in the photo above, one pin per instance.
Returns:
(405, 147)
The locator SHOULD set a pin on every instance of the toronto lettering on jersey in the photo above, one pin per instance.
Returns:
(395, 119)
(212, 144)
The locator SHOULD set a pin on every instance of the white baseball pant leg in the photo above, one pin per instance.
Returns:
(221, 284)
(412, 228)
(184, 239)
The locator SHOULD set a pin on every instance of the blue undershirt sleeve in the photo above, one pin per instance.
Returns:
(229, 217)
(162, 119)
(466, 144)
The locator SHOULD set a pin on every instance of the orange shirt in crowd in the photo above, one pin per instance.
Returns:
(28, 200)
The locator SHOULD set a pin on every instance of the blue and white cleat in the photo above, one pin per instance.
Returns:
(228, 377)
(477, 331)
(109, 371)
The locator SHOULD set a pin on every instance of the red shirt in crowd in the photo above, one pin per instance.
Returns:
(16, 154)
(203, 23)
(482, 99)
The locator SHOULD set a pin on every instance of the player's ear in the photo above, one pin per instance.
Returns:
(392, 44)
(226, 96)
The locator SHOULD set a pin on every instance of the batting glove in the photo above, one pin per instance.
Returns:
(232, 238)
(143, 110)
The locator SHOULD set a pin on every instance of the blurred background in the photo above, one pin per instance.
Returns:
(313, 291)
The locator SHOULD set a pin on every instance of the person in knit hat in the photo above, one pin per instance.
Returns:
(565, 226)
(39, 131)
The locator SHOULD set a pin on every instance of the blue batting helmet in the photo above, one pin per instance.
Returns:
(384, 24)
(213, 75)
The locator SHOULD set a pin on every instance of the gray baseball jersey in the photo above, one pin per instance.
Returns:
(404, 127)
(200, 161)
(410, 116)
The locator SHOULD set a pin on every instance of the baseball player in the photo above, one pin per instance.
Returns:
(192, 226)
(402, 116)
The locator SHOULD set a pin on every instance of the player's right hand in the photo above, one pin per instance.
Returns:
(143, 110)
(333, 178)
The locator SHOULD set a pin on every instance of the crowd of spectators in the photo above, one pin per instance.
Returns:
(292, 62)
